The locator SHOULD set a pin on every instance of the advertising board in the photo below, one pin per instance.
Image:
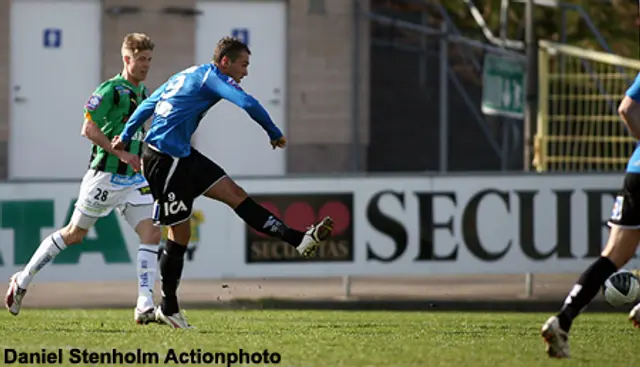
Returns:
(413, 225)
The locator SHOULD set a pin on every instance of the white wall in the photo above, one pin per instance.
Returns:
(51, 80)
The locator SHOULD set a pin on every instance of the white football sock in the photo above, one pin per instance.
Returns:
(147, 265)
(46, 252)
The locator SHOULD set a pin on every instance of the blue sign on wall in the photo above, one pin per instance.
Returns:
(242, 34)
(52, 38)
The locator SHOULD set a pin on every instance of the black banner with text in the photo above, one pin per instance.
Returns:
(299, 211)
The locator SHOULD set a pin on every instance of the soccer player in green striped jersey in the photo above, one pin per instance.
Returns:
(108, 109)
(112, 181)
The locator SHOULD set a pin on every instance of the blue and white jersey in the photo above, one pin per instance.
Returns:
(179, 104)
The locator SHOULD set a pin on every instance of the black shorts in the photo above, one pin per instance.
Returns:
(176, 182)
(626, 208)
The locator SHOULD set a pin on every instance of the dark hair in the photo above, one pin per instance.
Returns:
(230, 47)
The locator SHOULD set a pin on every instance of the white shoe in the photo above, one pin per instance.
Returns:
(315, 235)
(14, 296)
(176, 321)
(145, 315)
(556, 339)
(634, 316)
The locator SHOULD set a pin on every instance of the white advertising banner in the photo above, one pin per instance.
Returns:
(409, 225)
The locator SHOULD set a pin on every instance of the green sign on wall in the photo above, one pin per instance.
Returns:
(503, 86)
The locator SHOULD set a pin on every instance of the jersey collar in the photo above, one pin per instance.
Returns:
(120, 77)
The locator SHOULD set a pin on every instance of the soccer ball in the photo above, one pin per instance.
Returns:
(622, 288)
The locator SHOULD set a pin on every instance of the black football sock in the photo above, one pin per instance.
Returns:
(263, 221)
(171, 264)
(585, 289)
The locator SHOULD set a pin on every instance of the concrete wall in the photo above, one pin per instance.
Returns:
(321, 54)
(320, 66)
(174, 36)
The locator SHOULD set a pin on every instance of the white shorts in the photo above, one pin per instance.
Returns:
(101, 192)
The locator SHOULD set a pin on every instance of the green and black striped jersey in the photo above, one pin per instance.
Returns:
(110, 107)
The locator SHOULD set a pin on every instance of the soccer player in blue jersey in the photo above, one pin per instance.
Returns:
(177, 173)
(621, 246)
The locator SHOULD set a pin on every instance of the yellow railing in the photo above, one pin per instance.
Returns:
(578, 127)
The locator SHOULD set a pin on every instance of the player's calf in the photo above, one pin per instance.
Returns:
(49, 248)
(146, 265)
(171, 265)
(262, 220)
(265, 222)
(620, 248)
(72, 234)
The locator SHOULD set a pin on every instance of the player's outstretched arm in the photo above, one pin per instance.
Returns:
(140, 115)
(245, 101)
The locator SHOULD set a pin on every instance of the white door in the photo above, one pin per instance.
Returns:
(54, 67)
(227, 134)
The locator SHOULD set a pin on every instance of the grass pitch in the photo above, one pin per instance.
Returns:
(317, 338)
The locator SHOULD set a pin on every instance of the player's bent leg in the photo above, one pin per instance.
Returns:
(620, 248)
(262, 220)
(49, 248)
(621, 245)
(137, 210)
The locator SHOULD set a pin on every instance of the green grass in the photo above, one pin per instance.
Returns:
(326, 338)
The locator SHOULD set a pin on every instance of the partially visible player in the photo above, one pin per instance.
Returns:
(197, 218)
(177, 173)
(621, 246)
(111, 182)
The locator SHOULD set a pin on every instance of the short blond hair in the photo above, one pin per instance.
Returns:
(136, 42)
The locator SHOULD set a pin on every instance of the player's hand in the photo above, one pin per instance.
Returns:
(279, 143)
(130, 159)
(116, 143)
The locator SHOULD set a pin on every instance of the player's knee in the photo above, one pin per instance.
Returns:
(72, 234)
(180, 233)
(234, 193)
(622, 245)
(227, 191)
(238, 192)
(148, 233)
(152, 236)
(235, 196)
